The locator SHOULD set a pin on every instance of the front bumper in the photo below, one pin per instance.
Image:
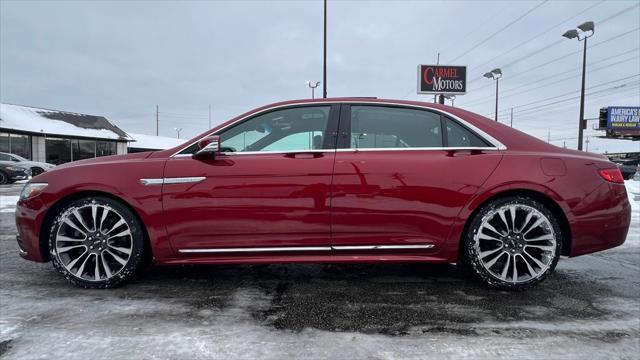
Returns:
(29, 218)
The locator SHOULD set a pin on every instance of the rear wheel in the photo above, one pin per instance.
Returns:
(4, 179)
(513, 243)
(96, 242)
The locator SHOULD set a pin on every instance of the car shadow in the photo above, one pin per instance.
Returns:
(389, 299)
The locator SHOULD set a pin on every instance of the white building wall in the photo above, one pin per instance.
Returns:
(121, 148)
(38, 148)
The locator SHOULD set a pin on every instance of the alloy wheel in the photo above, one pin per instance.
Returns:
(515, 243)
(93, 242)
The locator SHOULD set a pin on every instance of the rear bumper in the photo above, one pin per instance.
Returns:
(29, 217)
(603, 222)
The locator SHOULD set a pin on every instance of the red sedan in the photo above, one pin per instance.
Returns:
(332, 180)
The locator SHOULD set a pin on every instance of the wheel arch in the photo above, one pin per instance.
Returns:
(53, 211)
(539, 196)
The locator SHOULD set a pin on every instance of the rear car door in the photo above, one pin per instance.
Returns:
(270, 188)
(400, 180)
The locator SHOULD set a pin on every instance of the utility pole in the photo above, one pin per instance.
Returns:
(324, 63)
(511, 121)
(209, 116)
(157, 121)
(178, 131)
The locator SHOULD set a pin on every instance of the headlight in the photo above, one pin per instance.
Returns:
(15, 168)
(31, 190)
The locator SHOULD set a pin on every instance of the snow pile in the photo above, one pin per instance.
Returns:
(30, 119)
(151, 142)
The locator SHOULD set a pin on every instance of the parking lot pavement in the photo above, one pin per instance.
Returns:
(590, 308)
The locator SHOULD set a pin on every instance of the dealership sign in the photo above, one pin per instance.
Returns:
(442, 79)
(623, 117)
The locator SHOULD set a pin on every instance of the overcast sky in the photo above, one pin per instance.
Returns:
(120, 59)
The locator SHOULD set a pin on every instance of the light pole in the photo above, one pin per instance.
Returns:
(178, 131)
(324, 54)
(495, 74)
(586, 30)
(313, 87)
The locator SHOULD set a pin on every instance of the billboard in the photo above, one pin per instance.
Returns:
(623, 118)
(442, 79)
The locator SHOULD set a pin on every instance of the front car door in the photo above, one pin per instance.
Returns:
(401, 177)
(268, 191)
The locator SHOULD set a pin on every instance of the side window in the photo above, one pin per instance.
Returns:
(301, 128)
(458, 136)
(389, 127)
(5, 157)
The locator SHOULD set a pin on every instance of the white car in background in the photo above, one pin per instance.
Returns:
(36, 167)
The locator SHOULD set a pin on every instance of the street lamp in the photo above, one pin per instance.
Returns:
(313, 87)
(495, 74)
(178, 131)
(583, 32)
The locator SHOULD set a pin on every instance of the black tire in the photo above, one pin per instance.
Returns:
(35, 171)
(135, 243)
(4, 178)
(471, 255)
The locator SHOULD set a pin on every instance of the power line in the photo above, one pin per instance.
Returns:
(537, 36)
(499, 31)
(572, 92)
(554, 76)
(564, 56)
(635, 84)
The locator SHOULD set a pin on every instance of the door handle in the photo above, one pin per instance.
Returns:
(304, 155)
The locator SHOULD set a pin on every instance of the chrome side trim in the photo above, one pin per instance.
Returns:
(151, 181)
(173, 180)
(305, 248)
(184, 180)
(496, 144)
(382, 247)
(257, 249)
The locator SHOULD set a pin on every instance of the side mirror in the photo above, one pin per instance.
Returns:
(208, 147)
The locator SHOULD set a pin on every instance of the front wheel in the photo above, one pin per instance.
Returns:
(96, 242)
(513, 243)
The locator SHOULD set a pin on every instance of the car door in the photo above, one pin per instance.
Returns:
(399, 180)
(269, 190)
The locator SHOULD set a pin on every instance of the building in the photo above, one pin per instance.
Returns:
(58, 137)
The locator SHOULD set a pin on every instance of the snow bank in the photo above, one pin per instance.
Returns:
(152, 142)
(32, 120)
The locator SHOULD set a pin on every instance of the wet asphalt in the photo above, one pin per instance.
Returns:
(589, 307)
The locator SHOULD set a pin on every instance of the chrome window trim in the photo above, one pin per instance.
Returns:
(305, 248)
(497, 145)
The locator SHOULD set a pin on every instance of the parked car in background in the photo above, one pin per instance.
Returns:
(330, 180)
(36, 167)
(11, 172)
(628, 171)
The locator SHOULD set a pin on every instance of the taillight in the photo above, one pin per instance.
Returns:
(612, 175)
